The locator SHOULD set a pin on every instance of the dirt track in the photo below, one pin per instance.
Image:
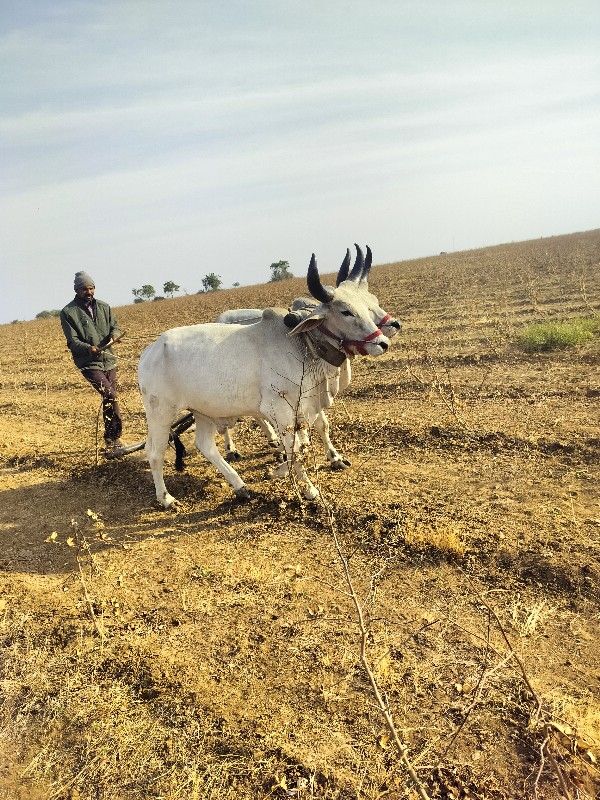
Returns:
(213, 651)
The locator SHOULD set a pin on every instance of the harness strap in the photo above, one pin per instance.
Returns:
(345, 343)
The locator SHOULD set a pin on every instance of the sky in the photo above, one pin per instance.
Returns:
(147, 141)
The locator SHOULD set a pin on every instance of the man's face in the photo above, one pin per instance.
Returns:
(86, 293)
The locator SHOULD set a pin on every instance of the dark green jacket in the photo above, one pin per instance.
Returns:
(81, 330)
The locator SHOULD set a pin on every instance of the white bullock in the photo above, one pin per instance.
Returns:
(221, 372)
(388, 325)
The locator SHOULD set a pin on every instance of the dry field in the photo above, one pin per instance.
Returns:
(214, 651)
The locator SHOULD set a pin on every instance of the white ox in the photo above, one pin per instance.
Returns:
(221, 372)
(388, 325)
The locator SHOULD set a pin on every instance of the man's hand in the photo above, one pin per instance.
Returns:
(93, 350)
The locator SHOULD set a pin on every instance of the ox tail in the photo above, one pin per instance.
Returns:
(180, 452)
(177, 428)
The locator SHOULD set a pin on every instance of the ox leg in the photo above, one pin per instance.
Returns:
(231, 451)
(296, 446)
(269, 432)
(272, 438)
(336, 461)
(159, 429)
(206, 431)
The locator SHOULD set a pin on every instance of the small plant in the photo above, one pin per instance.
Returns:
(543, 336)
(280, 271)
(211, 283)
(47, 314)
(147, 292)
(170, 287)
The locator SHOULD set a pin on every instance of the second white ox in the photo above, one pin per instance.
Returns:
(222, 372)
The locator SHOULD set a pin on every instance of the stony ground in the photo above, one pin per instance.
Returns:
(214, 651)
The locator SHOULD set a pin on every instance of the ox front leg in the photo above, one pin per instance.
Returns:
(271, 436)
(296, 447)
(206, 431)
(336, 461)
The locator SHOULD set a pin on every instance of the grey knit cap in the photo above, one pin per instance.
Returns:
(83, 279)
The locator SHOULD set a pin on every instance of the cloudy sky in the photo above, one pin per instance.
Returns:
(147, 141)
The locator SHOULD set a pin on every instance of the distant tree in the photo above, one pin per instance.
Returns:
(280, 271)
(45, 314)
(158, 297)
(147, 292)
(211, 282)
(170, 288)
(237, 283)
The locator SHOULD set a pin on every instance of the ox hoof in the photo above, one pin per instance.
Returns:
(280, 471)
(167, 502)
(311, 495)
(242, 495)
(232, 456)
(340, 464)
(275, 444)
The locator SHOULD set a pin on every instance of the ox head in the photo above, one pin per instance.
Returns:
(343, 315)
(360, 276)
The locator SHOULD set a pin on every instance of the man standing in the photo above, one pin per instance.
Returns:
(90, 326)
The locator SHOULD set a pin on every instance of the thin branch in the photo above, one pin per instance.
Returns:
(382, 704)
(90, 603)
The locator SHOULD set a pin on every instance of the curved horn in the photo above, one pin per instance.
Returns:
(315, 287)
(359, 264)
(368, 264)
(343, 273)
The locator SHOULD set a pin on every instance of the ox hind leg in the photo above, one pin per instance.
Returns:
(159, 429)
(231, 452)
(206, 431)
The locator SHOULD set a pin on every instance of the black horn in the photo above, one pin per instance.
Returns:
(343, 273)
(357, 270)
(368, 264)
(315, 287)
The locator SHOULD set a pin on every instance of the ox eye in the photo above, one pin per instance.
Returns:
(347, 313)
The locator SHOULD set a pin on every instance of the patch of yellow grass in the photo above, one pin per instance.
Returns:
(445, 536)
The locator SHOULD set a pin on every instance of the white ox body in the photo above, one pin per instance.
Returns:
(222, 371)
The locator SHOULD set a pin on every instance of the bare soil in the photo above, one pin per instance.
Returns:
(213, 651)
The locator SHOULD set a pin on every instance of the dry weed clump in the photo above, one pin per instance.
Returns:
(446, 537)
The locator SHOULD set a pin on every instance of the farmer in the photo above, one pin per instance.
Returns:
(89, 326)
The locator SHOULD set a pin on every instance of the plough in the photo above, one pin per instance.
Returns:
(180, 426)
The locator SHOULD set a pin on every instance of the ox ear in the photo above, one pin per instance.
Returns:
(343, 273)
(311, 321)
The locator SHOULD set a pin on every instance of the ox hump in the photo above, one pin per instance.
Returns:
(274, 314)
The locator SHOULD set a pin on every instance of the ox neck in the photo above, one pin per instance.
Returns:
(322, 347)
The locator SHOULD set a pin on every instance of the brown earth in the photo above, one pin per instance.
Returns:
(213, 651)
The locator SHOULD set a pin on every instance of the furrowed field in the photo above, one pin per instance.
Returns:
(213, 651)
